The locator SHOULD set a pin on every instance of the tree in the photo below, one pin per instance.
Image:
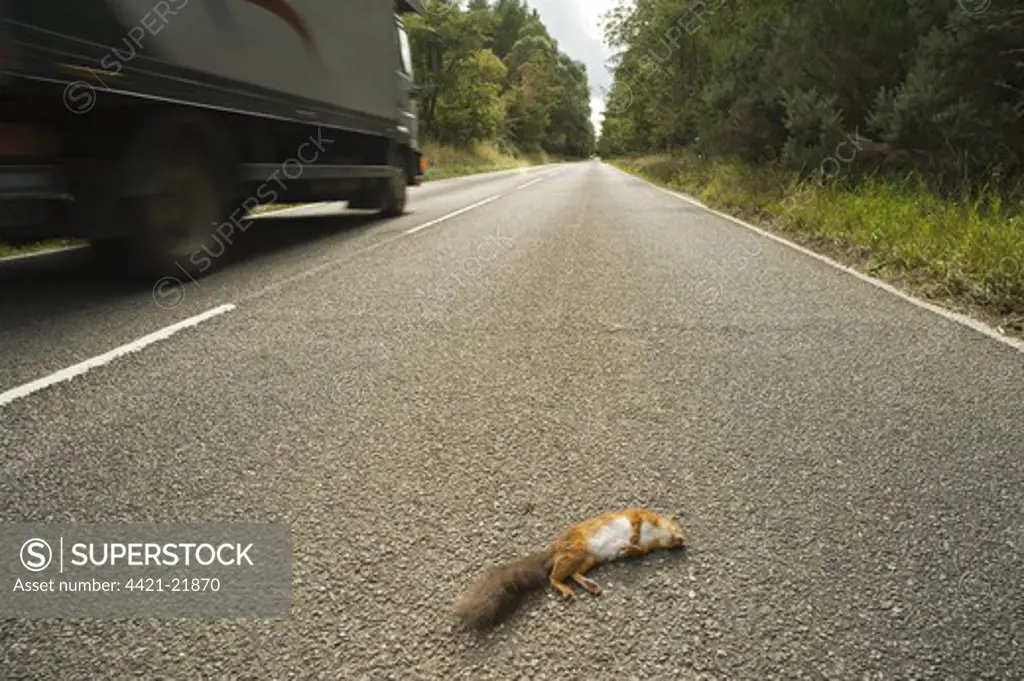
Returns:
(502, 77)
(473, 108)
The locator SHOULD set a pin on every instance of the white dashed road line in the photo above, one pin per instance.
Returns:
(165, 333)
(457, 213)
(108, 357)
(530, 184)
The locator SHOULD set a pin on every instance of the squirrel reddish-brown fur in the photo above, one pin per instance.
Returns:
(601, 539)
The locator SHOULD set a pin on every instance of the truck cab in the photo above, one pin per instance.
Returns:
(409, 128)
(154, 134)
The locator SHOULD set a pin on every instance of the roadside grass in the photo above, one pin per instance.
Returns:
(271, 207)
(7, 250)
(481, 157)
(965, 254)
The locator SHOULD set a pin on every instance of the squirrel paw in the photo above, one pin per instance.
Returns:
(563, 589)
(587, 584)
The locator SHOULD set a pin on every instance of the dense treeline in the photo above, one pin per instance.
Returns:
(501, 78)
(935, 86)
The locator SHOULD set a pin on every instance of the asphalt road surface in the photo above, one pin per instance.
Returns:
(419, 403)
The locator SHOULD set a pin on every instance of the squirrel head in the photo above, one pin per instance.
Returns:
(676, 537)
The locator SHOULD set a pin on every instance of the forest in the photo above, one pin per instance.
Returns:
(888, 133)
(501, 78)
(930, 85)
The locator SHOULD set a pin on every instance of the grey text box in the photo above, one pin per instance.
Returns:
(201, 571)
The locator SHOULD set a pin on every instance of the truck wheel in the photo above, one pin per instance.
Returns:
(394, 193)
(176, 217)
(171, 199)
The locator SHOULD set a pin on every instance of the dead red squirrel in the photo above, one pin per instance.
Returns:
(601, 539)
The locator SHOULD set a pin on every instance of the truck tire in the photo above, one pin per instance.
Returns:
(166, 222)
(367, 199)
(393, 194)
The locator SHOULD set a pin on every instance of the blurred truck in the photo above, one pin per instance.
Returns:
(153, 127)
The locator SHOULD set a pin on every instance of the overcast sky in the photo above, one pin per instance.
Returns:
(576, 25)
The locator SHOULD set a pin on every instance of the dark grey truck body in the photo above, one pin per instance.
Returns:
(259, 101)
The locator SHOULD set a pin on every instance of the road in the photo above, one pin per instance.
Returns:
(422, 397)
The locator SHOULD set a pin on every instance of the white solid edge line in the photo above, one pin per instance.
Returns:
(952, 316)
(413, 230)
(108, 357)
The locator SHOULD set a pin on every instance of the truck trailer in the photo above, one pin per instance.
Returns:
(152, 128)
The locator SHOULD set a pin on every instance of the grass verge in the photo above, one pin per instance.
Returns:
(966, 254)
(481, 157)
(7, 250)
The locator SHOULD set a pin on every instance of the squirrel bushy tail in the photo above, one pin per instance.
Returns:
(501, 589)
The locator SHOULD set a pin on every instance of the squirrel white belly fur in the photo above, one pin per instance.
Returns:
(601, 539)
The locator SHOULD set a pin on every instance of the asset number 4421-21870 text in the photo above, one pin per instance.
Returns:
(173, 584)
